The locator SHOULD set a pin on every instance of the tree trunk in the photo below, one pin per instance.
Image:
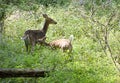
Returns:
(1, 29)
(4, 73)
(2, 18)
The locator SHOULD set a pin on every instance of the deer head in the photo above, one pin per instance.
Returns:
(50, 20)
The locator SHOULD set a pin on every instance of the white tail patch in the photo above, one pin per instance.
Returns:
(71, 38)
(24, 37)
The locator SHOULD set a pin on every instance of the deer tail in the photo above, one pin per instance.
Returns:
(24, 37)
(71, 38)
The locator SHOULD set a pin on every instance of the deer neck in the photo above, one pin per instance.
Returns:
(45, 27)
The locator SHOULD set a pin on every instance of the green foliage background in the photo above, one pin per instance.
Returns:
(86, 64)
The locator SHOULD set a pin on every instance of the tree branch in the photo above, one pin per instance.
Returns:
(4, 73)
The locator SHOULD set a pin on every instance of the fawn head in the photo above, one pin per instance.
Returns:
(50, 20)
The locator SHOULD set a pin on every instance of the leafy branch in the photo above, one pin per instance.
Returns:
(105, 27)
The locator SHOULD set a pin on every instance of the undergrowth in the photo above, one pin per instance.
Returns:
(86, 64)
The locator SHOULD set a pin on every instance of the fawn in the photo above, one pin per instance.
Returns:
(64, 44)
(32, 37)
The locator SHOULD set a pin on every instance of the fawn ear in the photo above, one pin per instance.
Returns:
(45, 15)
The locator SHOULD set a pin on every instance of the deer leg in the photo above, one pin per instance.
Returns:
(42, 41)
(33, 45)
(26, 45)
(63, 49)
(46, 44)
(70, 48)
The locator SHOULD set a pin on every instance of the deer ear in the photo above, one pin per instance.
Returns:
(45, 16)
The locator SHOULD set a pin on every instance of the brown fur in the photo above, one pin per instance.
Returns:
(64, 44)
(32, 37)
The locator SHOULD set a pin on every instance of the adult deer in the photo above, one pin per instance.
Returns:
(31, 37)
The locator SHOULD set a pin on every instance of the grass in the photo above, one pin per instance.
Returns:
(86, 64)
